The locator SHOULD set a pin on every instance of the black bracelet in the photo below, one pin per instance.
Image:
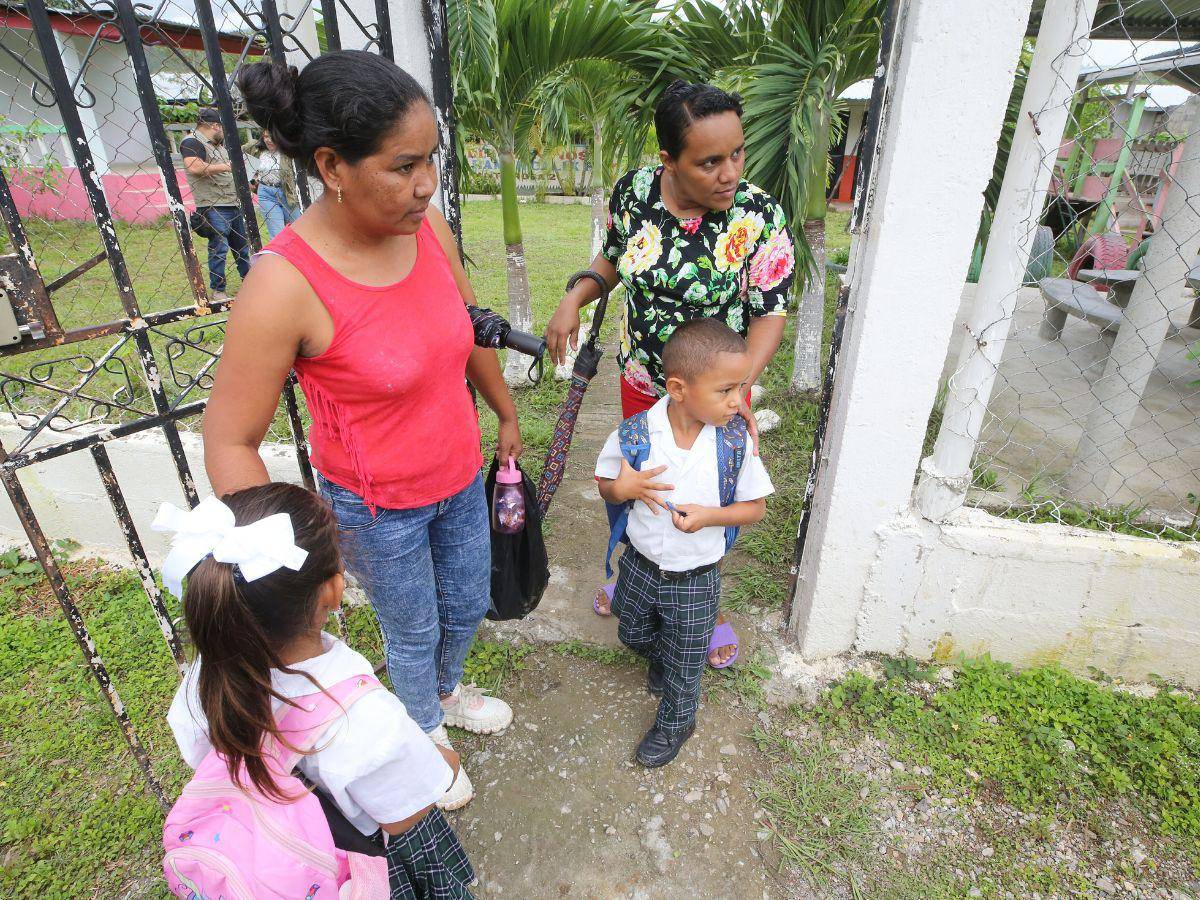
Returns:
(588, 273)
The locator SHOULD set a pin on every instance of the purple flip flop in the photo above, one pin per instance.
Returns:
(723, 635)
(608, 592)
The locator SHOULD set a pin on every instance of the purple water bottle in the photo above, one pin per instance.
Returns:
(508, 500)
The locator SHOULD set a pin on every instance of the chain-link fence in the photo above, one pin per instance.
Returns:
(1077, 389)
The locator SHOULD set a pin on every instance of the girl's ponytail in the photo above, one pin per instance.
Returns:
(238, 627)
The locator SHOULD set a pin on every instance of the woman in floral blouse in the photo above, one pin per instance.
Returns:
(688, 238)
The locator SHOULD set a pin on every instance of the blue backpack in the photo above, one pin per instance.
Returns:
(634, 438)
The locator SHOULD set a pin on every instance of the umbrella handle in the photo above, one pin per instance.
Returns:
(601, 304)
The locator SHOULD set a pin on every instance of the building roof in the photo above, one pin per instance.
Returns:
(1138, 19)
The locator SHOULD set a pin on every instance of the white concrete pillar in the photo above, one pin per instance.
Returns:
(906, 280)
(1157, 294)
(1049, 94)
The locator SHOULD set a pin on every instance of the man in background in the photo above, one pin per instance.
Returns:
(210, 176)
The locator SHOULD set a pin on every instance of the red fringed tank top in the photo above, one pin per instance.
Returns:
(392, 418)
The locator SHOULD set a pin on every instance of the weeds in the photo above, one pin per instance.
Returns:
(815, 809)
(1040, 737)
(608, 656)
(490, 662)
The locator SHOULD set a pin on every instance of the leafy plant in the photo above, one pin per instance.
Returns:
(983, 478)
(38, 173)
(19, 572)
(490, 662)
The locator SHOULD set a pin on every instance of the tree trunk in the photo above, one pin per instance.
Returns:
(520, 315)
(599, 207)
(810, 320)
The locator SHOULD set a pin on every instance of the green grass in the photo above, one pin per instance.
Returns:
(1041, 738)
(814, 807)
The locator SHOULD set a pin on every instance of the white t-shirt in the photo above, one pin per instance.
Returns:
(374, 762)
(694, 474)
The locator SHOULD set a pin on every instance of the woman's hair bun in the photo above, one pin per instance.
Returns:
(272, 97)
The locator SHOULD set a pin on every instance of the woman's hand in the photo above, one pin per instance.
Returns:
(508, 441)
(563, 328)
(751, 423)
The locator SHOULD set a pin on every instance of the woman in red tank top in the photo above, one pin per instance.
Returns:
(363, 297)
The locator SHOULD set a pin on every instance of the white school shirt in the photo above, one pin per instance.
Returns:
(374, 762)
(694, 474)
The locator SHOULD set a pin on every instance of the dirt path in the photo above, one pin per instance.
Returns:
(563, 811)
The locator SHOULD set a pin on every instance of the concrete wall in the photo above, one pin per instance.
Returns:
(1033, 594)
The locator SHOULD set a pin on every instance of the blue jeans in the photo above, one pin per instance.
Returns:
(428, 574)
(275, 210)
(230, 227)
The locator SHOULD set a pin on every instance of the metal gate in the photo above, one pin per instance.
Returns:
(89, 363)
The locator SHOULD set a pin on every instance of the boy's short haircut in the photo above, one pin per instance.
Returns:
(689, 351)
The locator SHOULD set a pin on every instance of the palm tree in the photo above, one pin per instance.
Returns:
(507, 50)
(791, 61)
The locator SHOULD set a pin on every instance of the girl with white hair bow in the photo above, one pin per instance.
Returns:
(263, 574)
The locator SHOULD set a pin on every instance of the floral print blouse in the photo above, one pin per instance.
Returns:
(733, 265)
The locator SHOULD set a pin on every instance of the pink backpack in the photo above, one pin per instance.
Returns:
(223, 840)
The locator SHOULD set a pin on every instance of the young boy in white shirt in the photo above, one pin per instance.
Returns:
(670, 512)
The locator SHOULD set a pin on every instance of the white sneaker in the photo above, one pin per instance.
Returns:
(461, 792)
(469, 709)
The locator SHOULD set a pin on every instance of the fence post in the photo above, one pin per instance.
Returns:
(946, 475)
(907, 271)
(1144, 327)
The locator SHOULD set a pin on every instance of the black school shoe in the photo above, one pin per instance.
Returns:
(654, 680)
(658, 748)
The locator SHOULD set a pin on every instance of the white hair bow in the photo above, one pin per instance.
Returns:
(257, 549)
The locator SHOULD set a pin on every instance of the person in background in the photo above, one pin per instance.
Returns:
(210, 176)
(275, 184)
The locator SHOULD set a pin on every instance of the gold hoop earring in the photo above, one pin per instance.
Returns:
(339, 190)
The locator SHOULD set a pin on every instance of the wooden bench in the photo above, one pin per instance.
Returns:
(1065, 297)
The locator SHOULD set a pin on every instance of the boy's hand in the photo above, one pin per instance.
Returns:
(690, 518)
(634, 485)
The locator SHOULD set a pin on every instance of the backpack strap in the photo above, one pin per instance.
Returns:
(303, 725)
(633, 436)
(731, 453)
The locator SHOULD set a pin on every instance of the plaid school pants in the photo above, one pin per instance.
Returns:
(670, 621)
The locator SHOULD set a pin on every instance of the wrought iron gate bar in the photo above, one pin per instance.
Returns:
(35, 303)
(297, 426)
(329, 18)
(82, 269)
(224, 104)
(141, 562)
(161, 148)
(119, 326)
(433, 15)
(87, 441)
(41, 547)
(383, 25)
(77, 138)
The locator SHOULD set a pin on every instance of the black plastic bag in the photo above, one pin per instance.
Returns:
(520, 570)
(200, 225)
